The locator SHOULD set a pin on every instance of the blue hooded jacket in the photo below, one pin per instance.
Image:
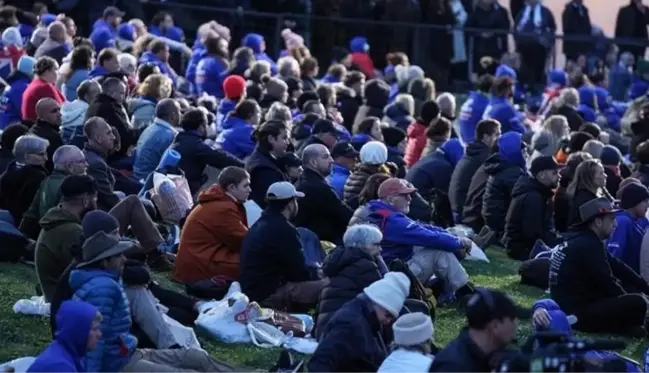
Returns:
(399, 116)
(638, 88)
(401, 234)
(471, 113)
(502, 110)
(97, 72)
(338, 178)
(510, 149)
(173, 33)
(434, 170)
(104, 290)
(225, 107)
(209, 76)
(626, 240)
(69, 88)
(101, 23)
(126, 31)
(148, 57)
(236, 137)
(197, 55)
(102, 38)
(12, 99)
(506, 71)
(254, 41)
(604, 103)
(587, 103)
(67, 352)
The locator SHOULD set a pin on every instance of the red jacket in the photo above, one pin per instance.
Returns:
(36, 90)
(416, 143)
(14, 53)
(364, 63)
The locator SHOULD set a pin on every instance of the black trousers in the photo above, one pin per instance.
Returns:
(613, 315)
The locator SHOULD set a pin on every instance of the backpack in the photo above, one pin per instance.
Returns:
(417, 291)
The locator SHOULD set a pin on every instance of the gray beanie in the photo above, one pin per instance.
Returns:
(413, 329)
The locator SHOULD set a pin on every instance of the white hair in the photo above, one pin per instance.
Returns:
(446, 102)
(279, 111)
(288, 66)
(594, 148)
(362, 235)
(127, 63)
(29, 144)
(63, 154)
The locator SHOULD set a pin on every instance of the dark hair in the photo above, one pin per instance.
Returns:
(109, 84)
(80, 41)
(243, 54)
(245, 109)
(578, 80)
(486, 127)
(306, 97)
(371, 189)
(11, 134)
(440, 128)
(270, 128)
(642, 152)
(309, 65)
(310, 106)
(84, 88)
(141, 44)
(278, 204)
(213, 48)
(146, 69)
(396, 58)
(159, 17)
(501, 85)
(591, 128)
(353, 77)
(74, 186)
(81, 60)
(485, 83)
(106, 55)
(366, 125)
(337, 70)
(326, 94)
(232, 175)
(193, 119)
(7, 12)
(44, 64)
(157, 45)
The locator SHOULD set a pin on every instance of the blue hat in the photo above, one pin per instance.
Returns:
(454, 150)
(558, 77)
(102, 38)
(26, 65)
(359, 44)
(611, 156)
(506, 71)
(47, 18)
(126, 31)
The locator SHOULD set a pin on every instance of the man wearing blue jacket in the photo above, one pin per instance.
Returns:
(158, 55)
(631, 224)
(473, 109)
(257, 43)
(426, 249)
(501, 108)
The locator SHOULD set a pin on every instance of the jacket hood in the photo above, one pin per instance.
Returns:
(510, 148)
(56, 217)
(527, 184)
(231, 122)
(79, 277)
(102, 38)
(476, 149)
(341, 258)
(74, 321)
(541, 140)
(603, 98)
(359, 44)
(453, 150)
(126, 31)
(226, 106)
(377, 204)
(213, 193)
(71, 111)
(253, 41)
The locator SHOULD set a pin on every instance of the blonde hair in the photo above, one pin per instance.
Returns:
(585, 179)
(158, 86)
(407, 102)
(569, 96)
(288, 66)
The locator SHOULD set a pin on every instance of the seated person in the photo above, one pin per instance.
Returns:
(273, 266)
(531, 211)
(20, 182)
(97, 280)
(210, 242)
(78, 333)
(68, 160)
(350, 268)
(427, 250)
(321, 210)
(130, 211)
(345, 157)
(291, 166)
(62, 233)
(352, 341)
(413, 333)
(587, 281)
(630, 225)
(433, 172)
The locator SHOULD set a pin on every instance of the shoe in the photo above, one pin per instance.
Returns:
(159, 262)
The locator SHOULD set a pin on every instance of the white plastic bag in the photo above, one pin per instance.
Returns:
(218, 317)
(186, 337)
(19, 365)
(253, 212)
(172, 197)
(477, 254)
(36, 306)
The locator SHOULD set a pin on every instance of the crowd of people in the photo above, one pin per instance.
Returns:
(356, 175)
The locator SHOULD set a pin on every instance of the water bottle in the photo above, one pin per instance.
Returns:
(646, 361)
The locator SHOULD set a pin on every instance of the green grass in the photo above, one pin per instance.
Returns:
(27, 335)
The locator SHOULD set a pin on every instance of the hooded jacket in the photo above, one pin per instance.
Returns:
(151, 145)
(142, 111)
(197, 55)
(503, 173)
(165, 69)
(12, 99)
(104, 290)
(236, 137)
(338, 178)
(73, 115)
(209, 76)
(471, 113)
(356, 181)
(502, 110)
(434, 170)
(211, 247)
(529, 218)
(254, 42)
(626, 241)
(475, 155)
(225, 107)
(67, 352)
(54, 49)
(61, 234)
(47, 196)
(97, 72)
(415, 143)
(359, 48)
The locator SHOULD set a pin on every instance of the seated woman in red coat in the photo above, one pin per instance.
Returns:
(45, 75)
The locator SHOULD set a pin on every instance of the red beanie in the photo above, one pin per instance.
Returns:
(234, 86)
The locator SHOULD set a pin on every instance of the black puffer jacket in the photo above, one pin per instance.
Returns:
(503, 174)
(476, 154)
(349, 271)
(357, 180)
(472, 210)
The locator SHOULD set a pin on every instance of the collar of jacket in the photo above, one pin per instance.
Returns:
(46, 125)
(166, 124)
(100, 153)
(310, 174)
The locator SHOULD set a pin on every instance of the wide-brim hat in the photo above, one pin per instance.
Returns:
(102, 246)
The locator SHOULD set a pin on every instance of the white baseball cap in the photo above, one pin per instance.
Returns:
(282, 190)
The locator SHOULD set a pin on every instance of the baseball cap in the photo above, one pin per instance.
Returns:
(486, 305)
(393, 187)
(595, 208)
(344, 149)
(282, 190)
(113, 11)
(543, 163)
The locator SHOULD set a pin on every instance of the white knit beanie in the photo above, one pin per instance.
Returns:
(389, 292)
(413, 329)
(374, 152)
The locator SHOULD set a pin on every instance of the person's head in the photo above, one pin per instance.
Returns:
(31, 150)
(343, 153)
(374, 153)
(88, 90)
(642, 152)
(160, 49)
(314, 107)
(413, 331)
(447, 105)
(326, 131)
(46, 69)
(627, 59)
(590, 176)
(546, 171)
(234, 88)
(70, 26)
(394, 138)
(107, 59)
(70, 160)
(214, 46)
(355, 80)
(397, 193)
(594, 148)
(569, 97)
(634, 197)
(114, 88)
(56, 31)
(163, 20)
(10, 134)
(598, 215)
(503, 87)
(157, 86)
(275, 88)
(139, 26)
(370, 126)
(279, 111)
(273, 137)
(195, 120)
(406, 102)
(81, 59)
(78, 326)
(235, 181)
(291, 165)
(113, 16)
(316, 157)
(558, 126)
(8, 15)
(288, 66)
(365, 237)
(48, 110)
(370, 191)
(258, 71)
(439, 130)
(485, 83)
(430, 113)
(11, 36)
(577, 141)
(338, 72)
(488, 131)
(127, 63)
(249, 111)
(491, 316)
(99, 134)
(243, 57)
(104, 251)
(327, 95)
(310, 67)
(388, 295)
(145, 70)
(281, 197)
(168, 110)
(79, 194)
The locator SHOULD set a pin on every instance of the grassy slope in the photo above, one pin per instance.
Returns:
(25, 335)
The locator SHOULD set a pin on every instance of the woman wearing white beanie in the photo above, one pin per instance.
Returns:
(373, 156)
(412, 349)
(352, 340)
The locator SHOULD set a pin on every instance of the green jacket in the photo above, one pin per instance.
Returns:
(48, 196)
(59, 241)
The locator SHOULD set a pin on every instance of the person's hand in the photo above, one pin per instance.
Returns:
(466, 243)
(542, 317)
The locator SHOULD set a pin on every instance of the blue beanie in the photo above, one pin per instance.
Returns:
(47, 19)
(126, 31)
(102, 38)
(26, 65)
(454, 150)
(98, 221)
(610, 156)
(506, 71)
(558, 77)
(359, 44)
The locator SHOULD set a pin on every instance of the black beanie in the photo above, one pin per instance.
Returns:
(392, 136)
(632, 194)
(429, 111)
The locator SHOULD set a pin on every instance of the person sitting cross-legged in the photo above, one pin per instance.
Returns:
(630, 226)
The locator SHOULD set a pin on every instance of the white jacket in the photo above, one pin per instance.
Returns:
(401, 360)
(73, 113)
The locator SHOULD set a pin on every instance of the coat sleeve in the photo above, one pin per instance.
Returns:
(217, 158)
(104, 298)
(617, 243)
(596, 263)
(333, 350)
(105, 196)
(29, 224)
(402, 230)
(291, 257)
(231, 229)
(530, 205)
